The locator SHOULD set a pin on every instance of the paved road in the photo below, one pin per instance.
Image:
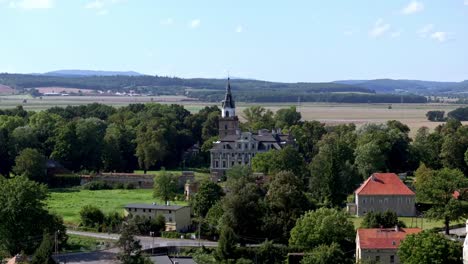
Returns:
(148, 242)
(109, 256)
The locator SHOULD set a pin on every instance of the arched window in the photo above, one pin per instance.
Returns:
(227, 113)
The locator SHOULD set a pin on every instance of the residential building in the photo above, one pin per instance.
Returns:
(177, 217)
(236, 147)
(381, 244)
(382, 192)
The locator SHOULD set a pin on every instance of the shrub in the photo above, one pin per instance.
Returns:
(130, 186)
(119, 186)
(97, 185)
(91, 216)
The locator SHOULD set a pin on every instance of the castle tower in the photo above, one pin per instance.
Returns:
(229, 122)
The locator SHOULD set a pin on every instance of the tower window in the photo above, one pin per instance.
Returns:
(227, 113)
(225, 126)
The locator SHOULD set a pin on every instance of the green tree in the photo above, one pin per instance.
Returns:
(130, 248)
(91, 216)
(152, 140)
(258, 117)
(208, 194)
(285, 202)
(428, 248)
(427, 147)
(165, 186)
(377, 220)
(23, 215)
(244, 208)
(90, 136)
(66, 146)
(287, 117)
(43, 254)
(307, 135)
(323, 226)
(437, 188)
(285, 159)
(32, 164)
(227, 244)
(326, 254)
(332, 172)
(369, 159)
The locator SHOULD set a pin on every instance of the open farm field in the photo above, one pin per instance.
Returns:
(56, 89)
(412, 115)
(68, 202)
(6, 89)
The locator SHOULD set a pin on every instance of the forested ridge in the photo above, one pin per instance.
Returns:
(212, 89)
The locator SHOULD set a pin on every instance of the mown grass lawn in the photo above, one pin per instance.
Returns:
(423, 223)
(68, 202)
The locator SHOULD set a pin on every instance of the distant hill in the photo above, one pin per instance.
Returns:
(405, 86)
(73, 73)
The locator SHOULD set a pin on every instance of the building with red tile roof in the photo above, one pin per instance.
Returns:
(382, 192)
(381, 244)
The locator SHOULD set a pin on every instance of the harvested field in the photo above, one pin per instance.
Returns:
(64, 90)
(413, 115)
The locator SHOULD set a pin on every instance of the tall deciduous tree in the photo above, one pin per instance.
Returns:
(428, 248)
(438, 188)
(287, 117)
(323, 226)
(165, 186)
(32, 164)
(23, 215)
(326, 254)
(130, 248)
(208, 194)
(332, 172)
(307, 135)
(258, 117)
(286, 202)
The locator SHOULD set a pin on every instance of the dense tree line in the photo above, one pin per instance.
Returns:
(293, 95)
(97, 137)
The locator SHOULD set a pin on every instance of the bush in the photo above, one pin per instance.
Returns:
(130, 186)
(146, 225)
(119, 186)
(173, 234)
(64, 181)
(97, 185)
(91, 216)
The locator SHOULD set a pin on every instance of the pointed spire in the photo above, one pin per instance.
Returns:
(228, 102)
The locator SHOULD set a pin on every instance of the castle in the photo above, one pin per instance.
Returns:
(236, 147)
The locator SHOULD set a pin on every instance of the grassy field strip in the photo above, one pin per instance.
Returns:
(68, 202)
(410, 222)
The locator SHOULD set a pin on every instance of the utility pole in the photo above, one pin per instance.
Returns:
(56, 241)
(152, 243)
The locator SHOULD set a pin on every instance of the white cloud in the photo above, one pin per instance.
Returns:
(440, 36)
(395, 34)
(379, 28)
(167, 21)
(348, 32)
(95, 5)
(466, 2)
(195, 23)
(101, 6)
(413, 7)
(425, 30)
(239, 29)
(32, 4)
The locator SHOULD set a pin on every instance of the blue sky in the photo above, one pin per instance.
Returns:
(273, 40)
